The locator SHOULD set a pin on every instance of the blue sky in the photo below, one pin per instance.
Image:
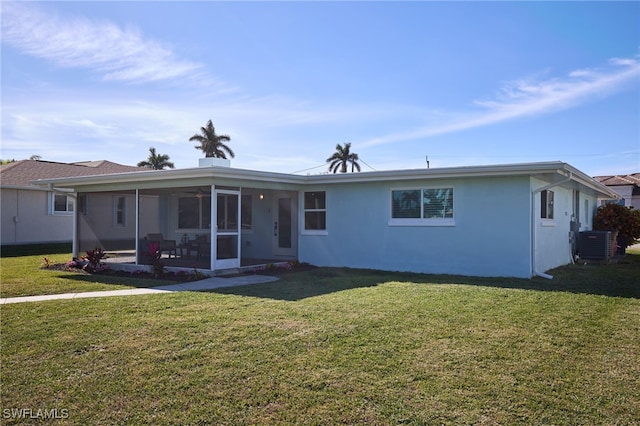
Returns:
(462, 83)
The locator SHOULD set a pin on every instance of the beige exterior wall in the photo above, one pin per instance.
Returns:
(98, 227)
(26, 218)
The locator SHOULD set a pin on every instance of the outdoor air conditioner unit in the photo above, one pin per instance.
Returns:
(597, 244)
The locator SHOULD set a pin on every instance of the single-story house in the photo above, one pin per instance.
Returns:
(34, 214)
(626, 186)
(516, 220)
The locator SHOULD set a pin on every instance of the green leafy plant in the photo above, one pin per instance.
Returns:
(196, 275)
(625, 220)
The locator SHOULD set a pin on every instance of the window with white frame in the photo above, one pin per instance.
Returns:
(120, 210)
(422, 206)
(546, 204)
(315, 211)
(61, 204)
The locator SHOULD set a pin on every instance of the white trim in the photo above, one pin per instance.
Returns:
(168, 178)
(137, 225)
(303, 230)
(52, 204)
(74, 234)
(230, 262)
(422, 222)
(313, 231)
(116, 198)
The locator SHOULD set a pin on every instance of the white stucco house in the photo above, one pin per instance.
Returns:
(32, 214)
(515, 220)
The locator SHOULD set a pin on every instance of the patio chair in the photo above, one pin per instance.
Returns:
(204, 247)
(168, 246)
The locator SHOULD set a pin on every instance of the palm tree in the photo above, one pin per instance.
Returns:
(342, 157)
(212, 144)
(156, 161)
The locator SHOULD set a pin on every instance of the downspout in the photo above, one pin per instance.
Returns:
(74, 234)
(533, 225)
(137, 227)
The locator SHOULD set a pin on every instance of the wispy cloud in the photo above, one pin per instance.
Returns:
(102, 46)
(529, 97)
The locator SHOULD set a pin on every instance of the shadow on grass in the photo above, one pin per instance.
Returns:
(621, 279)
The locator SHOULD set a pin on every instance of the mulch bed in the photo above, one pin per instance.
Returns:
(180, 276)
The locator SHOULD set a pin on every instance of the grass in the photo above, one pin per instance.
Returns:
(338, 346)
(23, 276)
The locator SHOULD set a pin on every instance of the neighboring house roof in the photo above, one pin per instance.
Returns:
(622, 184)
(554, 171)
(619, 180)
(20, 174)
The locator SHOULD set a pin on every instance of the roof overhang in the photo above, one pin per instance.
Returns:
(551, 172)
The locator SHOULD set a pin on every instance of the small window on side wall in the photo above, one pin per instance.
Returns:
(120, 205)
(61, 204)
(546, 204)
(315, 211)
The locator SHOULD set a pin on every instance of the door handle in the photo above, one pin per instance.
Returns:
(275, 229)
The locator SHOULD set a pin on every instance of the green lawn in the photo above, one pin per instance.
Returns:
(337, 346)
(24, 276)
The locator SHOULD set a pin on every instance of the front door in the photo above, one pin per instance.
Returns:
(285, 224)
(226, 216)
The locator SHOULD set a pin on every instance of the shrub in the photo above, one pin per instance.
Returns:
(625, 220)
(156, 263)
(94, 257)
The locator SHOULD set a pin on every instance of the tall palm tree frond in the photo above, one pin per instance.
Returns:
(342, 157)
(156, 161)
(212, 144)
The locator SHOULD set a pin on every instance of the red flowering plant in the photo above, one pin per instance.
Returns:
(94, 257)
(155, 254)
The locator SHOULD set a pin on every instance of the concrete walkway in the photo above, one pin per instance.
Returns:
(202, 285)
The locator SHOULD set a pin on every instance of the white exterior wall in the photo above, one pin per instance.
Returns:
(552, 236)
(491, 235)
(26, 218)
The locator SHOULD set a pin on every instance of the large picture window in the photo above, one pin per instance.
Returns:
(422, 206)
(194, 212)
(315, 211)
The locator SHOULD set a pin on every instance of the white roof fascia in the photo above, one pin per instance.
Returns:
(24, 187)
(441, 173)
(162, 175)
(591, 183)
(553, 167)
